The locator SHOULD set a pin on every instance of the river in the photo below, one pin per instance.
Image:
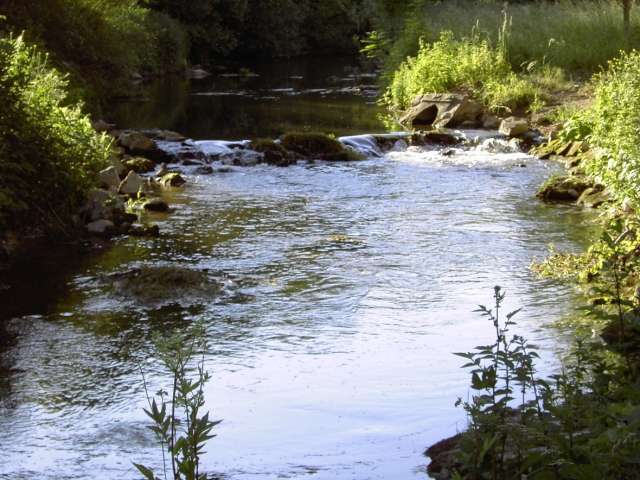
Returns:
(345, 289)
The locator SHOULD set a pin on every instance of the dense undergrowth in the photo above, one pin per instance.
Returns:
(49, 152)
(584, 422)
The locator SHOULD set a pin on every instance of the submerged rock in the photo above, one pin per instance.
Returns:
(156, 205)
(442, 110)
(160, 284)
(172, 180)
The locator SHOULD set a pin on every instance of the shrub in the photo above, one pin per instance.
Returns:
(612, 126)
(470, 64)
(49, 153)
(101, 42)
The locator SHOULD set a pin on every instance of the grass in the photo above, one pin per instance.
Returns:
(472, 64)
(578, 36)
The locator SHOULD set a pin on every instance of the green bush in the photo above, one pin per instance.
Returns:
(49, 153)
(611, 125)
(470, 65)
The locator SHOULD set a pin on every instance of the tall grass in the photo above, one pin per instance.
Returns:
(471, 65)
(577, 35)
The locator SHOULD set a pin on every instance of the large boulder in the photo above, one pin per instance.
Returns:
(514, 127)
(442, 110)
(139, 164)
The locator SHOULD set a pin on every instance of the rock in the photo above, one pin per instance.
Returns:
(172, 180)
(156, 205)
(117, 164)
(189, 162)
(163, 135)
(138, 165)
(273, 152)
(144, 231)
(102, 126)
(136, 142)
(438, 137)
(197, 73)
(593, 197)
(442, 110)
(101, 227)
(564, 189)
(490, 122)
(204, 170)
(575, 149)
(132, 184)
(109, 178)
(514, 127)
(317, 146)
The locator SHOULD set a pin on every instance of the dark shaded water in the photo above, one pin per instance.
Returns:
(332, 95)
(345, 288)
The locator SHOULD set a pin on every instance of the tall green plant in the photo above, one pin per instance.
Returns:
(180, 427)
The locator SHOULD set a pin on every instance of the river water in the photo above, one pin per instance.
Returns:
(345, 288)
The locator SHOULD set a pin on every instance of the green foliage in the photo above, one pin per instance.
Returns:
(470, 64)
(176, 415)
(613, 122)
(580, 423)
(574, 35)
(49, 153)
(104, 41)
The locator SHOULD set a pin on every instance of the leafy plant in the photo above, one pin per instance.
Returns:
(177, 421)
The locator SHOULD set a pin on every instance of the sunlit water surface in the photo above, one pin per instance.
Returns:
(346, 289)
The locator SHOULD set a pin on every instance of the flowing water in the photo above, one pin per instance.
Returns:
(338, 294)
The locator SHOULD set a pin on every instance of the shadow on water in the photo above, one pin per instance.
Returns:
(314, 94)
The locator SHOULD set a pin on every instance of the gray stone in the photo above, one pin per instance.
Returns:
(101, 227)
(442, 110)
(514, 127)
(131, 184)
(109, 178)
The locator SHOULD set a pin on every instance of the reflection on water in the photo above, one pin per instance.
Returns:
(332, 95)
(344, 290)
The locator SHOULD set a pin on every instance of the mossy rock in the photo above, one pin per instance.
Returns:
(564, 188)
(274, 153)
(172, 179)
(318, 146)
(139, 165)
